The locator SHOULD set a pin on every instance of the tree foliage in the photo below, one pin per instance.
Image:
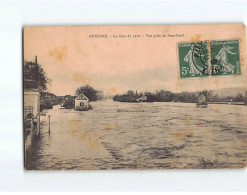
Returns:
(168, 96)
(88, 91)
(35, 76)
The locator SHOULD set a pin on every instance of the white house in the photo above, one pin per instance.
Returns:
(31, 102)
(81, 102)
(142, 99)
(201, 99)
(31, 116)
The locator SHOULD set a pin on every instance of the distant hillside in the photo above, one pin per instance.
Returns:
(229, 91)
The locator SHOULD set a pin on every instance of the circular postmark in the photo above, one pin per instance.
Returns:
(200, 57)
(216, 70)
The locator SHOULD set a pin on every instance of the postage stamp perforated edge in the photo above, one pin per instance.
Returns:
(239, 57)
(178, 61)
(209, 60)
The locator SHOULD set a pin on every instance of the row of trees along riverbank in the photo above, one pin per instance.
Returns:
(168, 96)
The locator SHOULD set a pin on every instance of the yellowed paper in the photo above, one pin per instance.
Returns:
(135, 97)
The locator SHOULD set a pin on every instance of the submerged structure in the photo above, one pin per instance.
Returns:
(82, 102)
(202, 101)
(142, 99)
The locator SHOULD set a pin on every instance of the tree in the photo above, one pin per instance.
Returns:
(239, 98)
(34, 76)
(88, 91)
(130, 93)
(207, 94)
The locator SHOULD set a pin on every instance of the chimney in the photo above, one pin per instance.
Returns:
(36, 61)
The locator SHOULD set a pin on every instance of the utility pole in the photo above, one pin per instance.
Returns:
(49, 124)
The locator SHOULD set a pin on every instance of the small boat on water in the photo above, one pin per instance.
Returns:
(202, 102)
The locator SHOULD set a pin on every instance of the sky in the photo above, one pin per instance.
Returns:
(119, 63)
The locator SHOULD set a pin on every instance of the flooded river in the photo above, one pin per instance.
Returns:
(158, 135)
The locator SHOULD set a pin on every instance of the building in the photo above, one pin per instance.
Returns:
(68, 102)
(47, 100)
(82, 102)
(31, 111)
(31, 105)
(142, 99)
(31, 102)
(201, 99)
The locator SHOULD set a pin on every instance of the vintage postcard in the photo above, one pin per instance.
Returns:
(135, 97)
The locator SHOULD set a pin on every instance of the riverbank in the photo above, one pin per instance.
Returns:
(228, 103)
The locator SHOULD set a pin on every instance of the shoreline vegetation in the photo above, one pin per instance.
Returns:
(35, 77)
(186, 97)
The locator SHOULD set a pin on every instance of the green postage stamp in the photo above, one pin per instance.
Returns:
(225, 57)
(209, 58)
(193, 59)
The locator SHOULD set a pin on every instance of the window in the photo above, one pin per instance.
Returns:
(81, 103)
(28, 110)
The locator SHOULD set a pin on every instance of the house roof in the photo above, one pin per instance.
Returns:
(201, 95)
(81, 97)
(143, 97)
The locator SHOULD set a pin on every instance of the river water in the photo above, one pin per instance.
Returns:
(157, 135)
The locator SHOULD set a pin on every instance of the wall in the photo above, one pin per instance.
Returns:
(32, 98)
(77, 104)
